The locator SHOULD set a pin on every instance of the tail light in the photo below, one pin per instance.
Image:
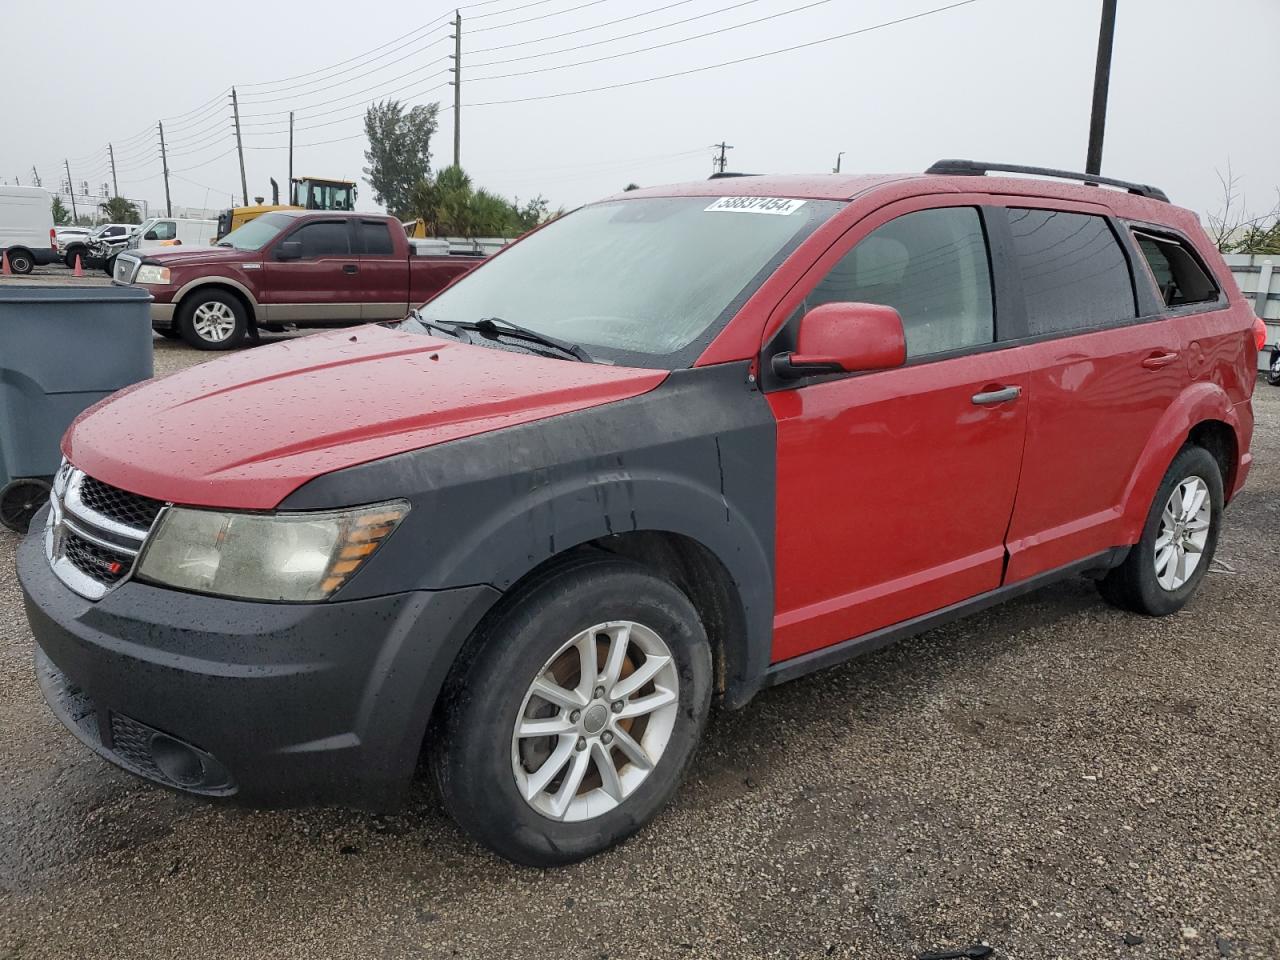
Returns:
(53, 239)
(1259, 332)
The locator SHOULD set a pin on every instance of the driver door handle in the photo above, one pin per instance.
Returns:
(989, 398)
(1158, 360)
(350, 268)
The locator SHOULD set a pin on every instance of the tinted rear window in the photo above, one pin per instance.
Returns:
(1176, 270)
(375, 238)
(1074, 274)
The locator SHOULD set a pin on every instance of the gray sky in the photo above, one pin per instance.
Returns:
(993, 79)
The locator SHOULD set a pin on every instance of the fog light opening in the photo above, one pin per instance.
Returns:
(177, 761)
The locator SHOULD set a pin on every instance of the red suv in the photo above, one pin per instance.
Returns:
(677, 446)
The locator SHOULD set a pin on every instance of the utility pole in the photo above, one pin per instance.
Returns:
(35, 176)
(837, 166)
(456, 69)
(235, 109)
(164, 163)
(71, 191)
(291, 156)
(115, 187)
(1101, 83)
(720, 161)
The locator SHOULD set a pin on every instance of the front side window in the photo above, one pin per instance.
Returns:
(932, 267)
(1074, 274)
(328, 238)
(645, 281)
(163, 230)
(1176, 270)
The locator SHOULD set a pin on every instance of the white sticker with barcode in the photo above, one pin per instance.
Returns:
(778, 206)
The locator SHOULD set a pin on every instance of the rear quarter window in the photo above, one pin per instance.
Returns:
(1178, 273)
(1074, 273)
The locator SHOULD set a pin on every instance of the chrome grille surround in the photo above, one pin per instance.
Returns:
(126, 268)
(88, 550)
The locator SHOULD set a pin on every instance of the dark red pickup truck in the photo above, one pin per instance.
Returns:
(298, 267)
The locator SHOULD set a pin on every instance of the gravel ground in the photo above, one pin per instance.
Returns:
(1053, 777)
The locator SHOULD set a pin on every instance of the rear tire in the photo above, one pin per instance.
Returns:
(21, 261)
(487, 763)
(212, 320)
(1273, 372)
(109, 266)
(1150, 581)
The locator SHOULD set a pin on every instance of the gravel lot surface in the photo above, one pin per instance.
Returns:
(1053, 777)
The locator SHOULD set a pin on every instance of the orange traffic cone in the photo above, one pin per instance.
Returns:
(77, 272)
(4, 263)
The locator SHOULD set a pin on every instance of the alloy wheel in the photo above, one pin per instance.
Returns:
(595, 721)
(213, 321)
(1184, 531)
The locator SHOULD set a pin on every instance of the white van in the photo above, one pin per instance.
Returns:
(172, 232)
(26, 227)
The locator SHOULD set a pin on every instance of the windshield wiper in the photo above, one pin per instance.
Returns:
(496, 326)
(457, 331)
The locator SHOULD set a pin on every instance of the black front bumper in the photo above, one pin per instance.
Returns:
(270, 703)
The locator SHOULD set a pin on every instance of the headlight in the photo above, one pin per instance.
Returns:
(149, 273)
(280, 556)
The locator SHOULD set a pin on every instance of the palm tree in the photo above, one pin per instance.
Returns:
(120, 210)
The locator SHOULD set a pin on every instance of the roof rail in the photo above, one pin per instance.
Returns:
(976, 168)
(729, 173)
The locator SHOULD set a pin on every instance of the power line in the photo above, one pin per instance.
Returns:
(656, 46)
(543, 16)
(727, 63)
(624, 36)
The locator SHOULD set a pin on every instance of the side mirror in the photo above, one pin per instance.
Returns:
(150, 235)
(289, 250)
(845, 338)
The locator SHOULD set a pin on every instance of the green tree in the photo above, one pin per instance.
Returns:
(61, 215)
(451, 206)
(399, 154)
(120, 210)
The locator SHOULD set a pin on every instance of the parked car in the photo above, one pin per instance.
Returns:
(27, 234)
(68, 240)
(676, 446)
(81, 243)
(299, 267)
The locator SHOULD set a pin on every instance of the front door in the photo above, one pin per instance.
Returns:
(895, 487)
(322, 285)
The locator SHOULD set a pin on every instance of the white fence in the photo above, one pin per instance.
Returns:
(1258, 275)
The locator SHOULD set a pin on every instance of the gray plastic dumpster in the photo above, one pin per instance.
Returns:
(62, 349)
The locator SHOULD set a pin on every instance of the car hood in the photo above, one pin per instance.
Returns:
(248, 429)
(187, 254)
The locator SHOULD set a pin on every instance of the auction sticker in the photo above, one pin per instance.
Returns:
(778, 206)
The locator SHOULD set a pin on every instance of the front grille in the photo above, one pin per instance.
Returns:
(105, 566)
(126, 268)
(131, 509)
(95, 532)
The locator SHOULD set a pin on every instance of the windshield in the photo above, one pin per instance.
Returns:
(257, 233)
(644, 282)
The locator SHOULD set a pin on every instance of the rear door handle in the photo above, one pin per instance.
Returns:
(350, 268)
(1158, 360)
(989, 398)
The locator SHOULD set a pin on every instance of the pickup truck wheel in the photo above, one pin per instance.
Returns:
(571, 721)
(212, 320)
(70, 258)
(1164, 568)
(109, 266)
(20, 261)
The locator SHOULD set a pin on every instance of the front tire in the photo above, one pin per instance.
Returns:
(212, 320)
(573, 714)
(1164, 568)
(1273, 372)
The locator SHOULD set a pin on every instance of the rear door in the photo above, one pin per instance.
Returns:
(323, 285)
(895, 487)
(384, 274)
(1103, 371)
